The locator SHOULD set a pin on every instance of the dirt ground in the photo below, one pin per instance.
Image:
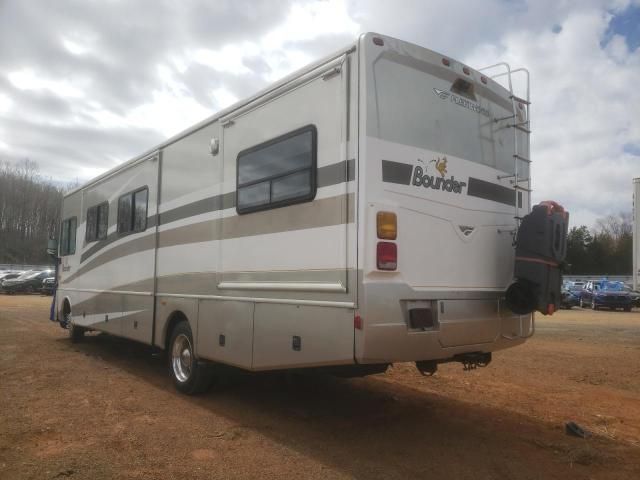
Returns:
(106, 409)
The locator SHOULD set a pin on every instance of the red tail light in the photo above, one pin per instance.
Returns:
(387, 256)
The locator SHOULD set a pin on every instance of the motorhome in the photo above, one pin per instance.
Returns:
(362, 211)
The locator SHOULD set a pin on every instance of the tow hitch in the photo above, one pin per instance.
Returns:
(469, 361)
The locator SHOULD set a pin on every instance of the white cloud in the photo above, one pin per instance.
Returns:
(28, 79)
(583, 111)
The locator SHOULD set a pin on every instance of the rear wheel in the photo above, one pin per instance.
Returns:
(593, 305)
(581, 304)
(76, 333)
(189, 375)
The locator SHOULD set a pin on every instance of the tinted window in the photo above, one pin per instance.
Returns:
(132, 211)
(140, 210)
(103, 220)
(68, 236)
(277, 173)
(124, 213)
(92, 224)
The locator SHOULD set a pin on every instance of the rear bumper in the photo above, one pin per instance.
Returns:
(464, 321)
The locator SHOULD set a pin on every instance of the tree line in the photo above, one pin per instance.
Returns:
(30, 207)
(607, 249)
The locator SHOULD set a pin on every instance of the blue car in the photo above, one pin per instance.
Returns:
(605, 294)
(570, 296)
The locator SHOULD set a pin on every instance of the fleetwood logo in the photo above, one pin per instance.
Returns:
(441, 93)
(460, 101)
(421, 178)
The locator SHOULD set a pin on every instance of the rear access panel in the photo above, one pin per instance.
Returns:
(468, 322)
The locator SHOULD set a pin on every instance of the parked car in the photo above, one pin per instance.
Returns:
(48, 285)
(28, 282)
(8, 276)
(635, 296)
(605, 294)
(570, 296)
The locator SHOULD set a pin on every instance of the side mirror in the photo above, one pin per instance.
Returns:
(52, 247)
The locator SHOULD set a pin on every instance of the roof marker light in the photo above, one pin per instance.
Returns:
(378, 41)
(445, 61)
(483, 79)
(466, 70)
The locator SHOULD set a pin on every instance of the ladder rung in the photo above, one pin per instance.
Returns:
(521, 100)
(518, 187)
(500, 177)
(519, 157)
(518, 218)
(504, 118)
(521, 128)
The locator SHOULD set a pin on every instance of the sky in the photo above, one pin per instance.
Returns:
(86, 85)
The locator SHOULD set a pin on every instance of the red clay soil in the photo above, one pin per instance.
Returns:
(105, 408)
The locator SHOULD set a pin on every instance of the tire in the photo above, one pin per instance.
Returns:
(627, 309)
(593, 305)
(189, 375)
(76, 333)
(581, 303)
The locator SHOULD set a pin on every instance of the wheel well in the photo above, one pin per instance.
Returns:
(174, 319)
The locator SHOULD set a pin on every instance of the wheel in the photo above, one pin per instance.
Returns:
(581, 303)
(593, 304)
(76, 333)
(189, 375)
(627, 309)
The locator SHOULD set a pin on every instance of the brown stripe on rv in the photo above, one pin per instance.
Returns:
(327, 176)
(396, 172)
(491, 191)
(319, 213)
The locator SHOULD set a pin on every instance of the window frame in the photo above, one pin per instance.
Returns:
(132, 194)
(97, 223)
(65, 250)
(313, 168)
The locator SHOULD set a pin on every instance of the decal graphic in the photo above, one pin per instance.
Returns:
(422, 179)
(441, 93)
(441, 165)
(460, 101)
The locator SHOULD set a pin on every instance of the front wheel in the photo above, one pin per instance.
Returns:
(189, 375)
(593, 305)
(581, 304)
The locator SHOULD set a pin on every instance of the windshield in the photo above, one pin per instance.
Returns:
(414, 102)
(612, 286)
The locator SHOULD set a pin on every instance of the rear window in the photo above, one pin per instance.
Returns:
(412, 103)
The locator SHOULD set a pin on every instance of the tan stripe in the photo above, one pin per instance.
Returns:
(127, 248)
(320, 213)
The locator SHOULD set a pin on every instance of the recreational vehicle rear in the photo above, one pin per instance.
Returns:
(362, 211)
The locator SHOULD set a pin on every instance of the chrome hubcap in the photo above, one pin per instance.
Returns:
(182, 358)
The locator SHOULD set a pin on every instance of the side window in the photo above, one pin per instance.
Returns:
(68, 236)
(132, 211)
(103, 220)
(91, 234)
(279, 172)
(97, 222)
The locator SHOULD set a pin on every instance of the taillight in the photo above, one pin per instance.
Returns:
(387, 225)
(387, 256)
